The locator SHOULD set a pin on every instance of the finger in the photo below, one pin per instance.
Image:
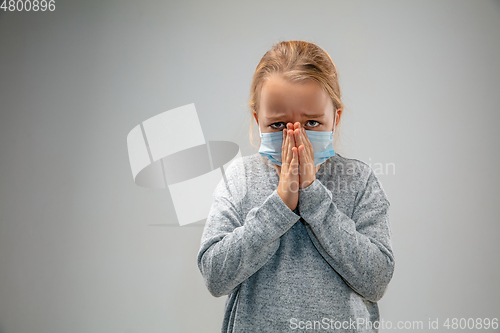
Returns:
(284, 145)
(294, 165)
(302, 160)
(298, 137)
(296, 125)
(292, 139)
(306, 168)
(303, 140)
(289, 146)
(307, 143)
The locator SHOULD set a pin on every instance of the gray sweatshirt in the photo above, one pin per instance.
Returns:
(321, 267)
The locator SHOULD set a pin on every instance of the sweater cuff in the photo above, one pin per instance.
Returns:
(275, 216)
(312, 199)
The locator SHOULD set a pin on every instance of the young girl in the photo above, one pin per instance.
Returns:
(298, 237)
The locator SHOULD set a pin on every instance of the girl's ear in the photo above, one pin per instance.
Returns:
(339, 114)
(255, 116)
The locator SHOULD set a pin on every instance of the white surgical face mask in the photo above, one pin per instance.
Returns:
(321, 141)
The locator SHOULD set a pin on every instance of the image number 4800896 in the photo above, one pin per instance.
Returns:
(28, 5)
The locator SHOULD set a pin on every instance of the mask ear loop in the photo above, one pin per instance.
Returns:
(334, 123)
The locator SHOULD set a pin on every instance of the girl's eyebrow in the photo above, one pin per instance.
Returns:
(283, 115)
(277, 117)
(312, 115)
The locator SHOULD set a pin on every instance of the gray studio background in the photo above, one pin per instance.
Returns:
(420, 81)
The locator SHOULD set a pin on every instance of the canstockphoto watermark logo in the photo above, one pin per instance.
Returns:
(164, 154)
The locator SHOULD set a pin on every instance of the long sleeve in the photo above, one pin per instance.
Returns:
(234, 247)
(358, 249)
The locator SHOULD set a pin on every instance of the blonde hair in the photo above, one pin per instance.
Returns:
(296, 61)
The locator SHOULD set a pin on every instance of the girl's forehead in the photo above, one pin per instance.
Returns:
(283, 98)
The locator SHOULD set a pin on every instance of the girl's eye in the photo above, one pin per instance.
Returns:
(312, 123)
(277, 125)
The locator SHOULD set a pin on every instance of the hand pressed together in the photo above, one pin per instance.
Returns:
(297, 169)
